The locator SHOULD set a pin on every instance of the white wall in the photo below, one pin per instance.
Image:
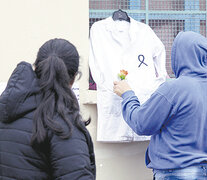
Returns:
(24, 26)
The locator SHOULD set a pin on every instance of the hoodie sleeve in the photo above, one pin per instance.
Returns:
(148, 118)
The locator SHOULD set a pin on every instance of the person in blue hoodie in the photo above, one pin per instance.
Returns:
(176, 114)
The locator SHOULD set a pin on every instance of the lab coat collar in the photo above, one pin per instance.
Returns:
(133, 28)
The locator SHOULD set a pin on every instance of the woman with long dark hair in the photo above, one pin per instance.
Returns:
(42, 134)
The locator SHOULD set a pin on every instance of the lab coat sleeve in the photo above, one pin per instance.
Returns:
(94, 53)
(148, 118)
(160, 64)
(159, 58)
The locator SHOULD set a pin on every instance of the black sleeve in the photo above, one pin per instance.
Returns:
(70, 158)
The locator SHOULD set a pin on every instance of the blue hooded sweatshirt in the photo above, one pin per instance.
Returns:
(176, 113)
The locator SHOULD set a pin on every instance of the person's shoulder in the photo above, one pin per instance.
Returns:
(174, 86)
(167, 86)
(181, 82)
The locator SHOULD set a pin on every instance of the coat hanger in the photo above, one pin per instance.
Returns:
(120, 15)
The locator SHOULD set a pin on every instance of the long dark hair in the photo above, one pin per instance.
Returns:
(56, 67)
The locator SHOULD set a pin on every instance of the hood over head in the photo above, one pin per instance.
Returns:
(19, 97)
(189, 55)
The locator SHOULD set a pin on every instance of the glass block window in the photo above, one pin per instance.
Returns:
(165, 17)
(169, 5)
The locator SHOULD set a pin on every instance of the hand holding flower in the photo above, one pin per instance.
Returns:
(121, 87)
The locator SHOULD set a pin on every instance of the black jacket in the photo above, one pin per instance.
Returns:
(71, 159)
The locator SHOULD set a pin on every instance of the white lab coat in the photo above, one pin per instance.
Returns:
(116, 45)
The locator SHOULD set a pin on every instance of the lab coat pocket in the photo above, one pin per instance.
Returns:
(111, 103)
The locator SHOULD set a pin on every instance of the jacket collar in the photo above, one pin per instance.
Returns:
(133, 28)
